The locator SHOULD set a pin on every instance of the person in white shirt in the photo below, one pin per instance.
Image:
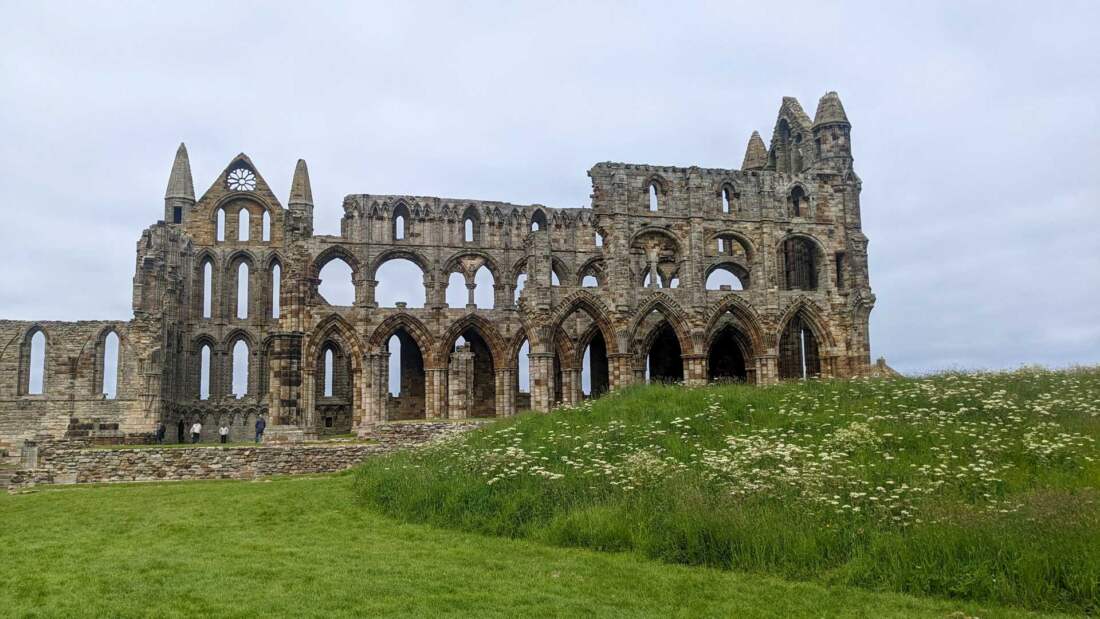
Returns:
(196, 429)
(223, 432)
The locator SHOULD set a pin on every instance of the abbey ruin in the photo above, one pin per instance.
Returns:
(592, 299)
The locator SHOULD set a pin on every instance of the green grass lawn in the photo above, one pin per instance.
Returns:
(306, 547)
(970, 486)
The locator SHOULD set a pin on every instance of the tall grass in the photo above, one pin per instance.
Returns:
(973, 486)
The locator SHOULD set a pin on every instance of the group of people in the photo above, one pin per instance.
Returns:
(223, 431)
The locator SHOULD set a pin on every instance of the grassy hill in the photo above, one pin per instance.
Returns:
(304, 547)
(972, 486)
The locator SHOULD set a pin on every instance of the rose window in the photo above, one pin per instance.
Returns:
(241, 179)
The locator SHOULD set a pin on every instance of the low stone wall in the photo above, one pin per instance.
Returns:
(412, 433)
(80, 462)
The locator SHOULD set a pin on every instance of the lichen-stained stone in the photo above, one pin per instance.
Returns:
(754, 273)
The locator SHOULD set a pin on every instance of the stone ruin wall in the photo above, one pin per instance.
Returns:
(786, 224)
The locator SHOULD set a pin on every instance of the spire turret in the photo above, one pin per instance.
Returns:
(832, 132)
(830, 111)
(179, 197)
(756, 154)
(300, 204)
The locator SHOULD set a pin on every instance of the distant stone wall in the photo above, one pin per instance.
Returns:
(79, 462)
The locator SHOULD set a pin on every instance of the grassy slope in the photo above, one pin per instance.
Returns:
(303, 547)
(979, 487)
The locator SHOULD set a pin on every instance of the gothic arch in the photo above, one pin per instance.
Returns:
(748, 317)
(673, 313)
(400, 253)
(812, 314)
(451, 264)
(594, 307)
(416, 329)
(331, 253)
(483, 327)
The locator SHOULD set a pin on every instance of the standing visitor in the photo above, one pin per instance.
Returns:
(196, 429)
(161, 430)
(223, 432)
(260, 426)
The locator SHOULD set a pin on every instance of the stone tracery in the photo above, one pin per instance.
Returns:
(786, 225)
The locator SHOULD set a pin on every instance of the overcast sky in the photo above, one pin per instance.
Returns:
(976, 132)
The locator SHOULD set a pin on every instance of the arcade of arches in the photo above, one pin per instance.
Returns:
(441, 308)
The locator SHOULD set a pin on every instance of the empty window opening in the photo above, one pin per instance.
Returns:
(220, 232)
(240, 369)
(721, 246)
(177, 215)
(590, 281)
(674, 282)
(394, 347)
(242, 224)
(36, 375)
(399, 228)
(594, 367)
(720, 277)
(328, 373)
(521, 281)
(242, 291)
(109, 386)
(649, 280)
(653, 201)
(726, 359)
(336, 284)
(207, 288)
(799, 264)
(399, 281)
(523, 369)
(471, 377)
(554, 279)
(538, 221)
(469, 231)
(727, 199)
(484, 288)
(328, 422)
(798, 351)
(799, 202)
(599, 240)
(406, 377)
(457, 295)
(204, 372)
(276, 289)
(664, 361)
(266, 226)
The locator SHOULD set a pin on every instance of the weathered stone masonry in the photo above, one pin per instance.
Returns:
(624, 280)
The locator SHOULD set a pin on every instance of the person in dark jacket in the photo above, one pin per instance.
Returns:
(161, 430)
(261, 425)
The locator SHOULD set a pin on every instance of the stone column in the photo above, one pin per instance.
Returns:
(767, 369)
(571, 391)
(460, 383)
(435, 393)
(506, 392)
(620, 369)
(695, 370)
(541, 366)
(285, 379)
(471, 303)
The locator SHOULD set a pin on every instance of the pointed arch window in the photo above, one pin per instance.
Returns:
(328, 373)
(204, 372)
(725, 200)
(469, 230)
(109, 383)
(399, 228)
(242, 291)
(34, 383)
(207, 288)
(276, 288)
(538, 221)
(654, 198)
(243, 218)
(599, 240)
(266, 226)
(220, 230)
(240, 369)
